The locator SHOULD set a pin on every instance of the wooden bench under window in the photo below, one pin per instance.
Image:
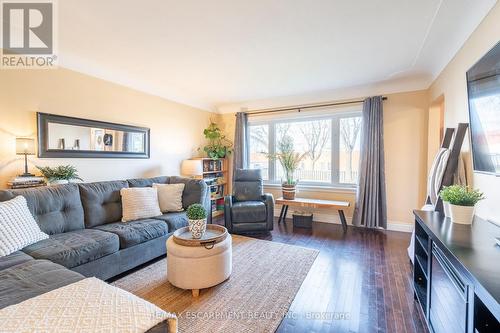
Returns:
(339, 206)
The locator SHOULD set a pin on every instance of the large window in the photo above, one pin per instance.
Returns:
(330, 146)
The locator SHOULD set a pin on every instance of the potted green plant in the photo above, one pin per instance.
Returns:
(218, 145)
(197, 216)
(462, 201)
(62, 174)
(289, 160)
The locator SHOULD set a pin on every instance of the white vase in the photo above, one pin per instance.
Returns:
(461, 214)
(58, 182)
(197, 228)
(446, 208)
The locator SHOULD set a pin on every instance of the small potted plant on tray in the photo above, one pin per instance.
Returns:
(462, 201)
(197, 216)
(289, 160)
(62, 174)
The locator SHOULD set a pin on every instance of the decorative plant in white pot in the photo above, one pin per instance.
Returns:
(289, 160)
(462, 201)
(62, 174)
(197, 216)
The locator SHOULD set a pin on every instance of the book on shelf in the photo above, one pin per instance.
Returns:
(25, 182)
(219, 204)
(27, 179)
(210, 180)
(212, 165)
(216, 192)
(18, 186)
(213, 181)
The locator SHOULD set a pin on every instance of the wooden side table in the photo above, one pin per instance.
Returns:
(313, 203)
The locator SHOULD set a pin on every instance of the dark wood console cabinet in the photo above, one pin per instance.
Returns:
(456, 274)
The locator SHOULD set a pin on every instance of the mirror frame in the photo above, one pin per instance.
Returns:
(43, 120)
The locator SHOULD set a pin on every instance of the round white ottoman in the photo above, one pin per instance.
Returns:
(196, 267)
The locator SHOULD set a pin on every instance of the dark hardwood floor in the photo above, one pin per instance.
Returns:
(360, 281)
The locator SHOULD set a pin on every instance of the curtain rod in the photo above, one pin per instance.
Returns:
(299, 108)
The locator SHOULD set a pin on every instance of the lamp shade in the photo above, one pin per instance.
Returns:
(192, 167)
(25, 146)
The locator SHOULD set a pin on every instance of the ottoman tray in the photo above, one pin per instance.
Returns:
(214, 234)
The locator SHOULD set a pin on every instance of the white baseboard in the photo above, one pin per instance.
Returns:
(399, 226)
(334, 218)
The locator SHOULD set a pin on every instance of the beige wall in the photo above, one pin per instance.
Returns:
(435, 129)
(452, 84)
(405, 126)
(176, 130)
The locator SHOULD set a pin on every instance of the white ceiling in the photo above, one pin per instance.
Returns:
(212, 53)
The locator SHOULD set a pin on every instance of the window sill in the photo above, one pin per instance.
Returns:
(312, 188)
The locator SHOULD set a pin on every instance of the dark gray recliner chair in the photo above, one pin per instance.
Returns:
(248, 209)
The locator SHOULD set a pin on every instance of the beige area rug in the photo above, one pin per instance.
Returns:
(265, 278)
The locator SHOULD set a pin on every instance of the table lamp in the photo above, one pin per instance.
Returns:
(192, 168)
(25, 146)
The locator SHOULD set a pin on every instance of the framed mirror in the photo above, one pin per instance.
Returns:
(68, 137)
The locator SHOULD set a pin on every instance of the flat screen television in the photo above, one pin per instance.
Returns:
(483, 86)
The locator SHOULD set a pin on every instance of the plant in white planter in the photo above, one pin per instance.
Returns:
(197, 216)
(461, 201)
(62, 174)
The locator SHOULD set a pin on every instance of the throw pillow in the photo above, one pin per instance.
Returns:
(170, 197)
(18, 228)
(139, 203)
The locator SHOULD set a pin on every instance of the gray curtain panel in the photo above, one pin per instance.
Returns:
(241, 137)
(371, 205)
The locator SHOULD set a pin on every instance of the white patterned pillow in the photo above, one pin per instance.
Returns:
(170, 197)
(139, 203)
(18, 228)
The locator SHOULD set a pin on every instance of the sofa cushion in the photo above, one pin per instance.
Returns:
(56, 209)
(14, 259)
(102, 202)
(139, 203)
(136, 232)
(248, 211)
(32, 278)
(174, 220)
(147, 182)
(195, 190)
(18, 228)
(75, 248)
(170, 197)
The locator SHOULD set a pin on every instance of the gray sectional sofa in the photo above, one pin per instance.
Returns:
(86, 235)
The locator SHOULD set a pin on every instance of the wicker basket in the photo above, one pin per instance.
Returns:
(302, 220)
